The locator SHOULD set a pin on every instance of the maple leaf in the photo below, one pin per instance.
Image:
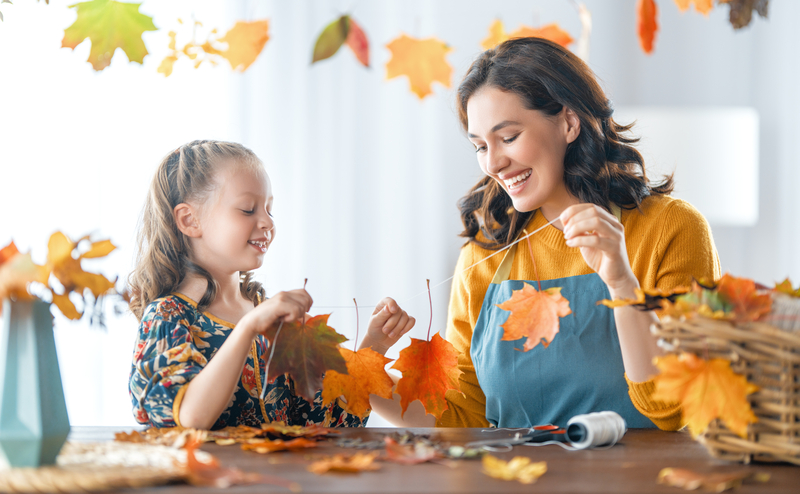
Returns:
(419, 452)
(17, 271)
(784, 286)
(109, 25)
(520, 468)
(534, 314)
(706, 390)
(358, 42)
(647, 24)
(245, 41)
(421, 60)
(552, 32)
(306, 351)
(702, 6)
(365, 376)
(429, 369)
(8, 252)
(741, 12)
(646, 298)
(280, 429)
(356, 463)
(711, 482)
(748, 304)
(267, 446)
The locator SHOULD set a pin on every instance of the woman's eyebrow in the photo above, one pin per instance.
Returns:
(504, 123)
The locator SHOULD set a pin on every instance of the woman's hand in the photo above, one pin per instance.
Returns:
(283, 306)
(387, 324)
(601, 239)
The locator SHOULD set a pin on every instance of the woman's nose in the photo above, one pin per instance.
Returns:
(495, 160)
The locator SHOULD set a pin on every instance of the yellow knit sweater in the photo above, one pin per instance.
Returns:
(668, 243)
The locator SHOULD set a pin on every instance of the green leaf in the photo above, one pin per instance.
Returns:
(109, 25)
(331, 38)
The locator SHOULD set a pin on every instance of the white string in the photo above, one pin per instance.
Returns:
(424, 292)
(271, 353)
(597, 429)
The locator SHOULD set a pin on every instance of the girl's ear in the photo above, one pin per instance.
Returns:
(186, 219)
(573, 124)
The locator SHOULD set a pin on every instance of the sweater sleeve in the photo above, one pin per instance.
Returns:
(469, 409)
(686, 249)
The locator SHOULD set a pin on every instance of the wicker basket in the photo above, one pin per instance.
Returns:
(768, 357)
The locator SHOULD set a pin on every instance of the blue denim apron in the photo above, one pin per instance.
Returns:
(581, 371)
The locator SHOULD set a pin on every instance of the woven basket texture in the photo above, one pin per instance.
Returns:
(768, 357)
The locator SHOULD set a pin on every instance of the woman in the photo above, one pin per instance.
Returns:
(543, 133)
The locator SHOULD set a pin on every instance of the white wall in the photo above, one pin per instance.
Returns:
(366, 176)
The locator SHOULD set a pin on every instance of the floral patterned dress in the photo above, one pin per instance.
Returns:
(175, 342)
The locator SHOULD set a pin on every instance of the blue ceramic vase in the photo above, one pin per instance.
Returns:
(33, 413)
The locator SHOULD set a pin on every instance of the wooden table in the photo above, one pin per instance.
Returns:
(631, 466)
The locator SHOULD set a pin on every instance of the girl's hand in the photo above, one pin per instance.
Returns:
(601, 239)
(283, 306)
(387, 324)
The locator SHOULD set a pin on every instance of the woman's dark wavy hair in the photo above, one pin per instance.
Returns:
(600, 166)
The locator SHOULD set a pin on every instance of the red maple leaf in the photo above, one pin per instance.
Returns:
(534, 314)
(305, 351)
(429, 369)
(365, 376)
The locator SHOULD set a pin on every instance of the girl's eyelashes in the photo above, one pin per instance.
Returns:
(248, 211)
(510, 139)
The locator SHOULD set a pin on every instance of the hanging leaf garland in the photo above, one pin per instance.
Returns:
(421, 60)
(340, 31)
(647, 24)
(552, 32)
(109, 25)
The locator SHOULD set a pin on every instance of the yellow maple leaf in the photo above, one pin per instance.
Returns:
(702, 6)
(706, 390)
(245, 41)
(519, 468)
(109, 25)
(421, 60)
(497, 34)
(551, 32)
(16, 273)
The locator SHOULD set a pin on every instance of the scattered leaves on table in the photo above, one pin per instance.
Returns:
(422, 61)
(305, 351)
(520, 468)
(270, 446)
(429, 369)
(109, 25)
(741, 11)
(711, 481)
(212, 474)
(357, 463)
(365, 375)
(552, 32)
(534, 314)
(706, 390)
(410, 454)
(647, 24)
(702, 6)
(342, 30)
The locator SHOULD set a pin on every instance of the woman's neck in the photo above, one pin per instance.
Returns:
(554, 207)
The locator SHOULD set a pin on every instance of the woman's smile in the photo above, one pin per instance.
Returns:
(515, 183)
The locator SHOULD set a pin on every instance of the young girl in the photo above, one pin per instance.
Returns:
(198, 359)
(544, 137)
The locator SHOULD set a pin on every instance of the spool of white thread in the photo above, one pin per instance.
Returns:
(596, 429)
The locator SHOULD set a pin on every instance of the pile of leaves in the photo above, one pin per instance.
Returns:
(60, 278)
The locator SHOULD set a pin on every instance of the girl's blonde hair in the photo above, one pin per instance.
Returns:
(163, 251)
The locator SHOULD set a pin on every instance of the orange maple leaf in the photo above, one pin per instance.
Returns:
(429, 369)
(706, 390)
(421, 60)
(245, 41)
(270, 446)
(702, 6)
(306, 351)
(8, 252)
(534, 314)
(365, 376)
(647, 25)
(784, 286)
(357, 463)
(748, 304)
(552, 32)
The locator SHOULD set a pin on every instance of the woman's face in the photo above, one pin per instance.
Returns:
(522, 149)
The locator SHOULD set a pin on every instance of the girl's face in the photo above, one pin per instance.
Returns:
(522, 149)
(236, 224)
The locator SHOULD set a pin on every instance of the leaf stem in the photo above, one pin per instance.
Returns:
(355, 344)
(430, 301)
